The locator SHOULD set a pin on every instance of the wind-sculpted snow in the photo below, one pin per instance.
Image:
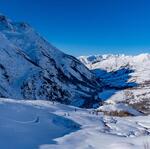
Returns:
(31, 68)
(125, 79)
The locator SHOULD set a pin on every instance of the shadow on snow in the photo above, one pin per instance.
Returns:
(115, 81)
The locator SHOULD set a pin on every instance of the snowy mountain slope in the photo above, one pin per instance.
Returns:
(26, 126)
(47, 125)
(125, 79)
(31, 68)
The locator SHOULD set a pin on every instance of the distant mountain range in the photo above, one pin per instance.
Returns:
(125, 79)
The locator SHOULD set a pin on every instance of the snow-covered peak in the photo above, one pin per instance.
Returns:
(142, 57)
(32, 68)
(98, 58)
(5, 23)
(92, 59)
(115, 62)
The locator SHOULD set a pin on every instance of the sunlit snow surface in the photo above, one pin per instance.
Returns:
(47, 125)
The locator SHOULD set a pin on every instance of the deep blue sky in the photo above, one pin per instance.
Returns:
(84, 27)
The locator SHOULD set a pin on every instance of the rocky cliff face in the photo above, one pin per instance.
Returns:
(31, 68)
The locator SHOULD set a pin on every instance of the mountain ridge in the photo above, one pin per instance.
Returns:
(31, 68)
(125, 79)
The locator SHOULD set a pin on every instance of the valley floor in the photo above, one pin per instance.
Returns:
(47, 125)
